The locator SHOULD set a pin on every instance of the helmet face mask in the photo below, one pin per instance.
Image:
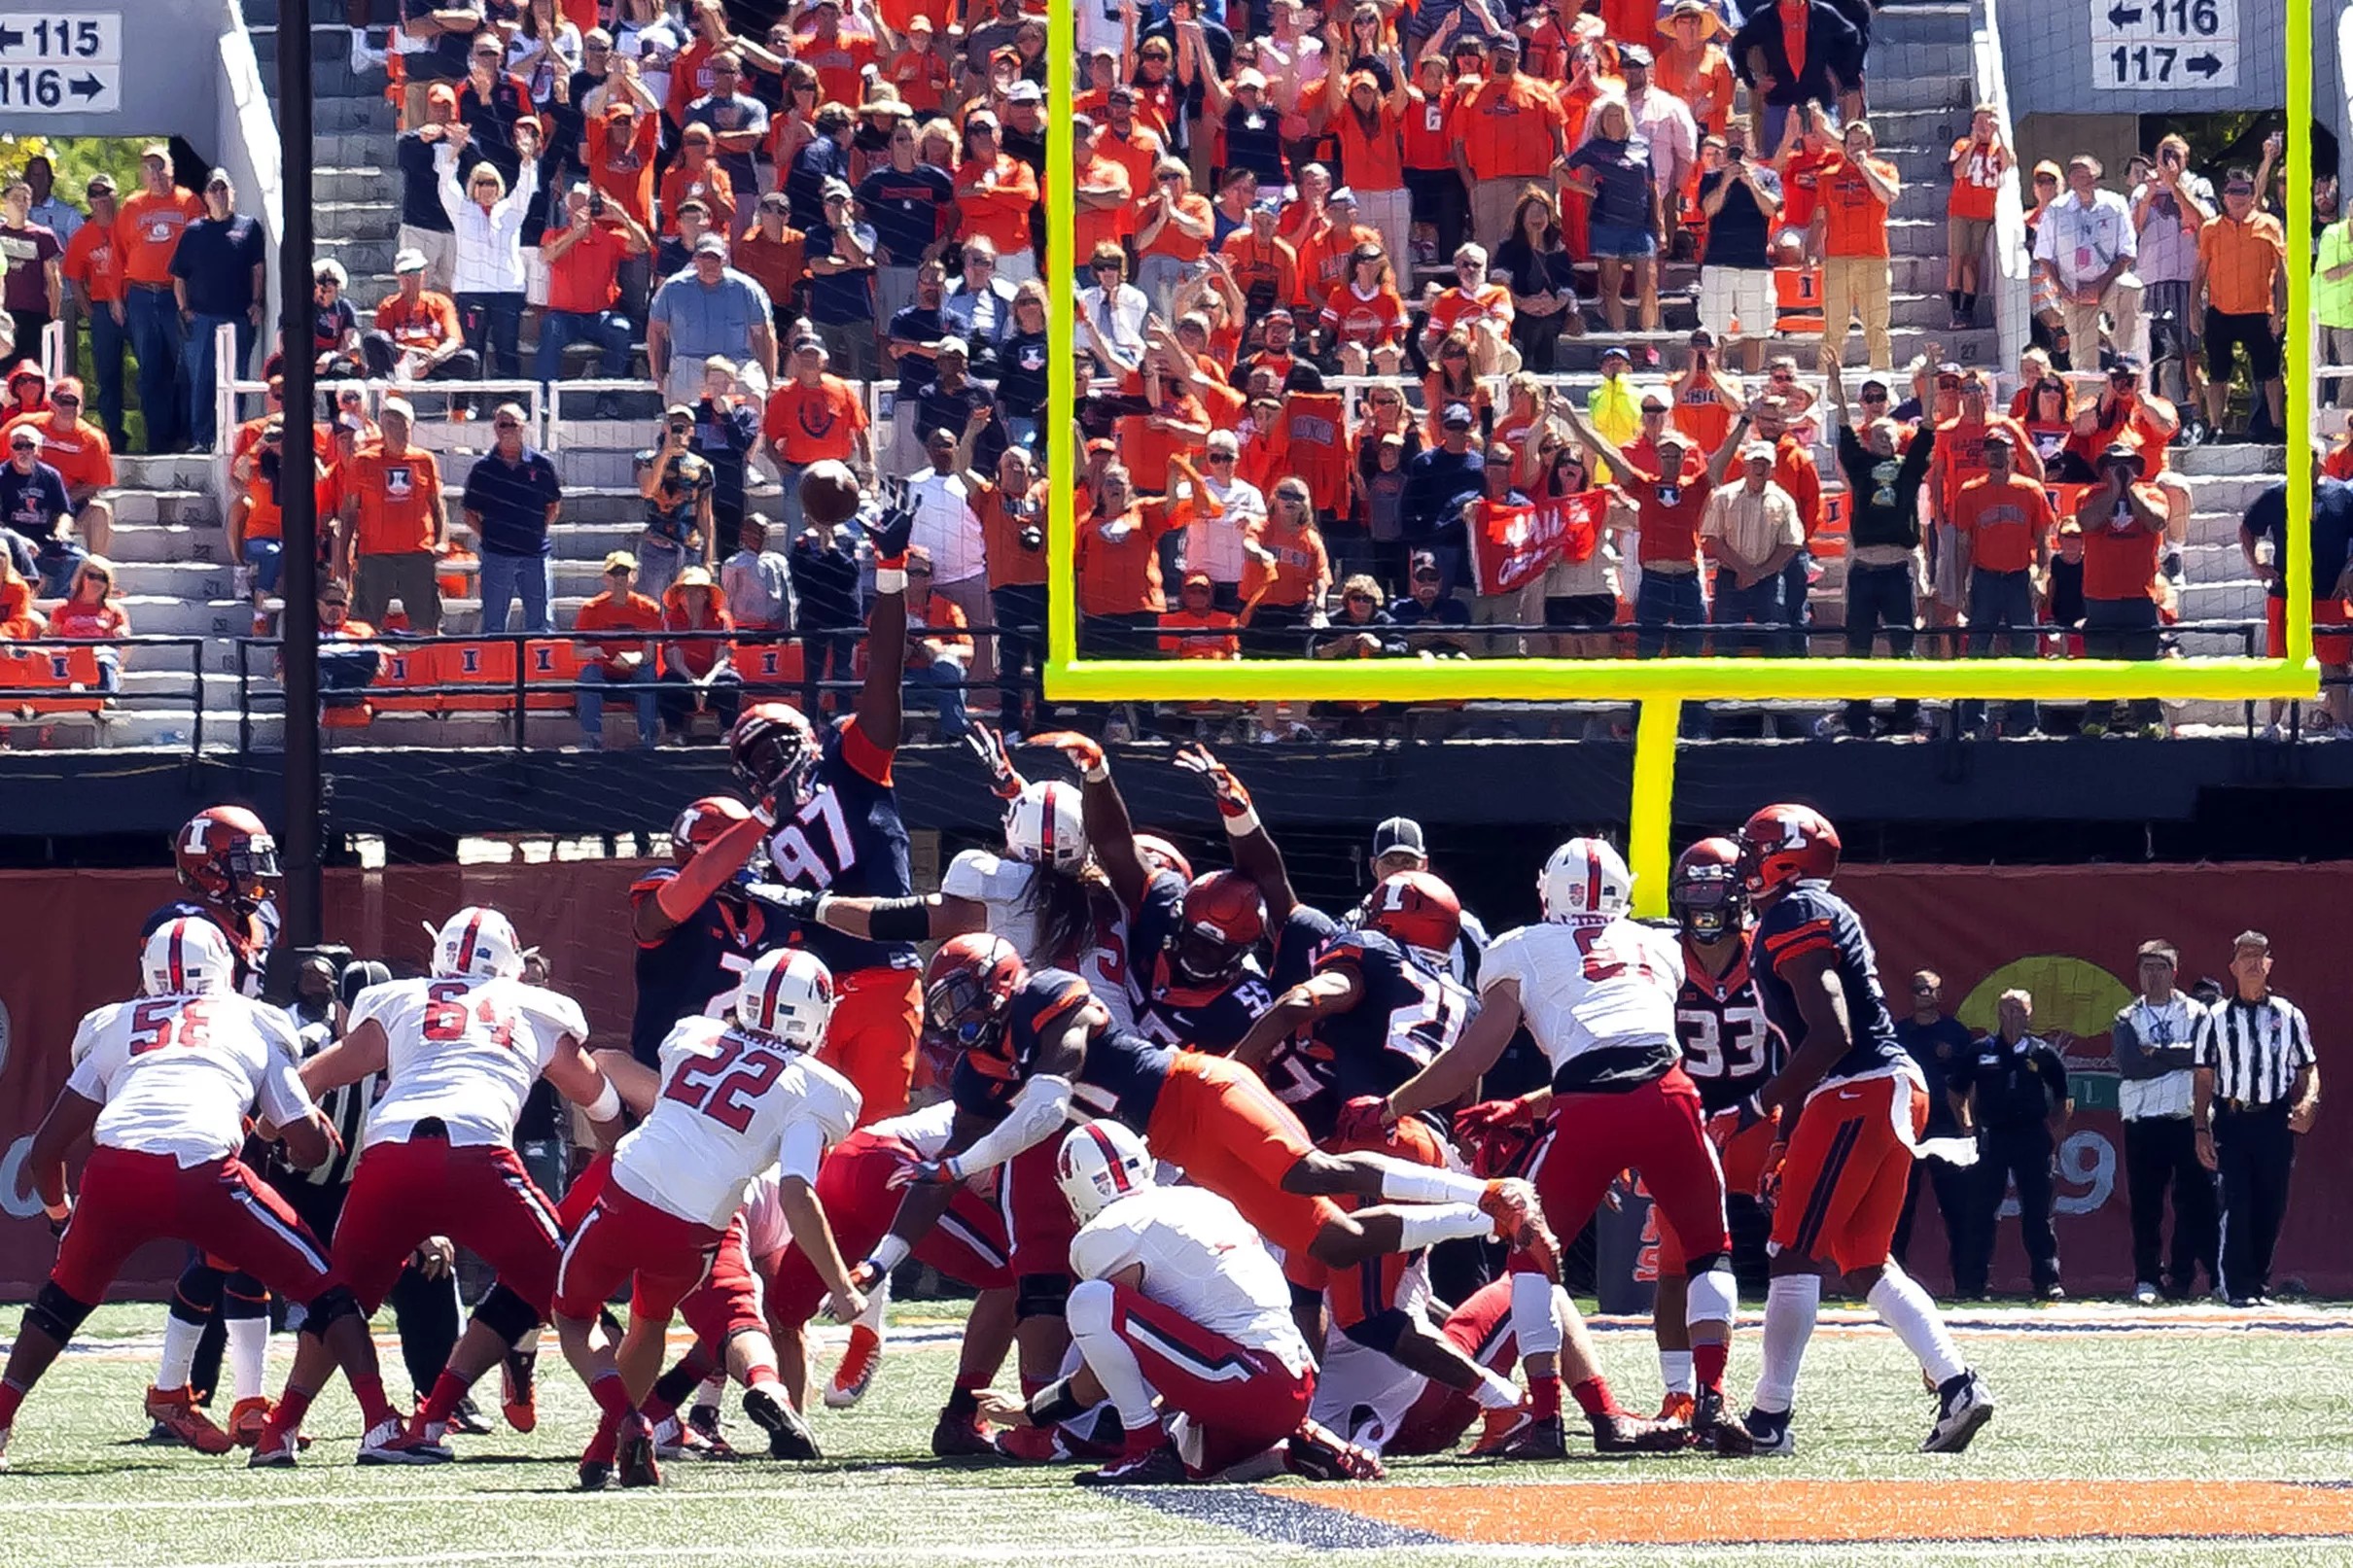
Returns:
(776, 753)
(1223, 917)
(1201, 953)
(226, 856)
(1706, 901)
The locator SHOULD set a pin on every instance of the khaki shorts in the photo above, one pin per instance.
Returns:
(1967, 236)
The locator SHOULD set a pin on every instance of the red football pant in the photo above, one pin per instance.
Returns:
(1742, 1151)
(1219, 1121)
(1482, 1330)
(877, 1021)
(625, 1237)
(480, 1197)
(1244, 1401)
(131, 1199)
(725, 1304)
(1038, 1220)
(1843, 1180)
(968, 1246)
(1656, 1130)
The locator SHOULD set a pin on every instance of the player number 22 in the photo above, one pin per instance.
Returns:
(723, 1095)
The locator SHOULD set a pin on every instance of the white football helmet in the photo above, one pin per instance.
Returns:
(1044, 827)
(1585, 880)
(1100, 1162)
(787, 996)
(477, 943)
(186, 957)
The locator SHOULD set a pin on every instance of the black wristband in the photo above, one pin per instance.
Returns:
(900, 920)
(1055, 1404)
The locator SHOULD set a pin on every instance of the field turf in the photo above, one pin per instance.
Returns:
(2166, 1439)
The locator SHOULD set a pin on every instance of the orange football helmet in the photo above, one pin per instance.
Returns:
(1783, 845)
(225, 857)
(1223, 918)
(969, 988)
(1415, 909)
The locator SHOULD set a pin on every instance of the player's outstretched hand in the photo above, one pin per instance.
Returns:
(799, 903)
(1768, 1180)
(896, 529)
(922, 1173)
(1494, 1116)
(989, 747)
(435, 1257)
(845, 1305)
(1083, 751)
(1001, 1409)
(1364, 1120)
(1233, 798)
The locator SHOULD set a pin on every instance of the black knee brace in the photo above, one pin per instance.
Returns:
(334, 1303)
(55, 1313)
(1041, 1296)
(506, 1314)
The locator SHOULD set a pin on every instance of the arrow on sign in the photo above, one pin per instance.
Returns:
(88, 87)
(2203, 64)
(10, 38)
(2123, 15)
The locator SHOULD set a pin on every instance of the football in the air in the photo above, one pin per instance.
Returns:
(829, 493)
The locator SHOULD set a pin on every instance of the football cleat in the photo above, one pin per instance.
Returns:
(673, 1438)
(1321, 1454)
(789, 1436)
(246, 1419)
(519, 1393)
(1496, 1429)
(1768, 1432)
(468, 1418)
(181, 1422)
(398, 1441)
(1718, 1430)
(634, 1459)
(1964, 1406)
(595, 1475)
(1030, 1445)
(1539, 1437)
(1151, 1460)
(703, 1419)
(1617, 1433)
(959, 1437)
(273, 1449)
(856, 1372)
(1676, 1406)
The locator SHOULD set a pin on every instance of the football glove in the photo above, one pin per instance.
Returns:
(925, 1173)
(897, 528)
(794, 903)
(1086, 754)
(1232, 796)
(1365, 1120)
(989, 747)
(1494, 1116)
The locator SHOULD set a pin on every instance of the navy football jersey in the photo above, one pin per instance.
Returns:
(694, 971)
(1730, 1048)
(846, 838)
(249, 940)
(1405, 1015)
(1119, 1078)
(1212, 1018)
(1811, 919)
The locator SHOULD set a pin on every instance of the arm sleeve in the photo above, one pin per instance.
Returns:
(800, 1150)
(280, 1096)
(1102, 1248)
(1042, 1105)
(2300, 1041)
(88, 1077)
(86, 1037)
(2201, 1040)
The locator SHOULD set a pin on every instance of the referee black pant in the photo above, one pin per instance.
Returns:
(2023, 1154)
(2255, 1152)
(2161, 1151)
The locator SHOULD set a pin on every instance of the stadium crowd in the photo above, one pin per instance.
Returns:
(1329, 266)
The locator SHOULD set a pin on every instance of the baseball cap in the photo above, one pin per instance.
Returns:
(1024, 92)
(719, 361)
(1424, 565)
(219, 177)
(711, 245)
(1458, 416)
(1654, 403)
(1250, 77)
(1750, 451)
(396, 406)
(694, 576)
(678, 411)
(1616, 352)
(101, 181)
(66, 386)
(620, 561)
(1198, 579)
(1401, 834)
(411, 261)
(1634, 54)
(1996, 436)
(2128, 363)
(835, 187)
(954, 345)
(1341, 192)
(157, 150)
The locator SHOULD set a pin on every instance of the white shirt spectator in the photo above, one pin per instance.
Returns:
(1214, 544)
(1118, 320)
(980, 315)
(947, 527)
(490, 244)
(2168, 243)
(58, 216)
(758, 586)
(1665, 121)
(2083, 242)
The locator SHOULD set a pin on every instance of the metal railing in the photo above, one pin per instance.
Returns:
(16, 700)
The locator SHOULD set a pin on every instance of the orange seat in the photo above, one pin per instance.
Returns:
(1829, 540)
(1797, 295)
(402, 676)
(555, 662)
(489, 666)
(774, 669)
(70, 672)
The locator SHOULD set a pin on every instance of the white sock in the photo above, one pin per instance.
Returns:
(878, 1302)
(1532, 1322)
(1403, 1181)
(248, 1348)
(1496, 1392)
(1674, 1371)
(1790, 1305)
(1432, 1223)
(180, 1339)
(1096, 1336)
(711, 1390)
(1910, 1312)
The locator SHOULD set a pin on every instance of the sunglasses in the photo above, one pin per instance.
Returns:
(1874, 397)
(1360, 598)
(1224, 457)
(506, 423)
(65, 399)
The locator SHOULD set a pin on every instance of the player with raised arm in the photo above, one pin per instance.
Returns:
(1182, 1321)
(1853, 1105)
(698, 924)
(226, 860)
(459, 1051)
(162, 1085)
(1597, 992)
(838, 830)
(738, 1096)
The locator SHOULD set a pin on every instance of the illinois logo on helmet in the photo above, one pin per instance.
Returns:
(703, 821)
(1418, 909)
(186, 957)
(1784, 845)
(1585, 880)
(1099, 1164)
(787, 996)
(224, 855)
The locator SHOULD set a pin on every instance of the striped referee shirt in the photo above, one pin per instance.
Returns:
(2254, 1049)
(346, 1110)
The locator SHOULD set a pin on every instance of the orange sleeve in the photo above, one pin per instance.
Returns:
(872, 762)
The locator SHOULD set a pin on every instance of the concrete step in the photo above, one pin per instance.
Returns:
(2237, 458)
(2227, 493)
(187, 581)
(369, 257)
(188, 508)
(1946, 58)
(114, 729)
(168, 688)
(1892, 91)
(136, 543)
(173, 616)
(357, 220)
(174, 471)
(368, 117)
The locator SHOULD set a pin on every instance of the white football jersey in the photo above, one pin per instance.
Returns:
(732, 1105)
(1587, 984)
(465, 1051)
(1200, 1258)
(176, 1074)
(1004, 887)
(1362, 1394)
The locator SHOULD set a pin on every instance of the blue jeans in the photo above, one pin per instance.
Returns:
(107, 340)
(152, 323)
(943, 684)
(609, 329)
(658, 563)
(788, 499)
(204, 372)
(58, 560)
(1757, 605)
(2000, 601)
(264, 556)
(1796, 602)
(503, 576)
(493, 324)
(644, 689)
(1664, 600)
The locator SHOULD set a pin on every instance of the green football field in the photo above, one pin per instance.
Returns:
(2188, 1438)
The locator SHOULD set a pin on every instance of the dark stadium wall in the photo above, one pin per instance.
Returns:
(2067, 935)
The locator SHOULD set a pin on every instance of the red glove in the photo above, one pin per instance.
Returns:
(1085, 753)
(1494, 1116)
(1364, 1120)
(1233, 799)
